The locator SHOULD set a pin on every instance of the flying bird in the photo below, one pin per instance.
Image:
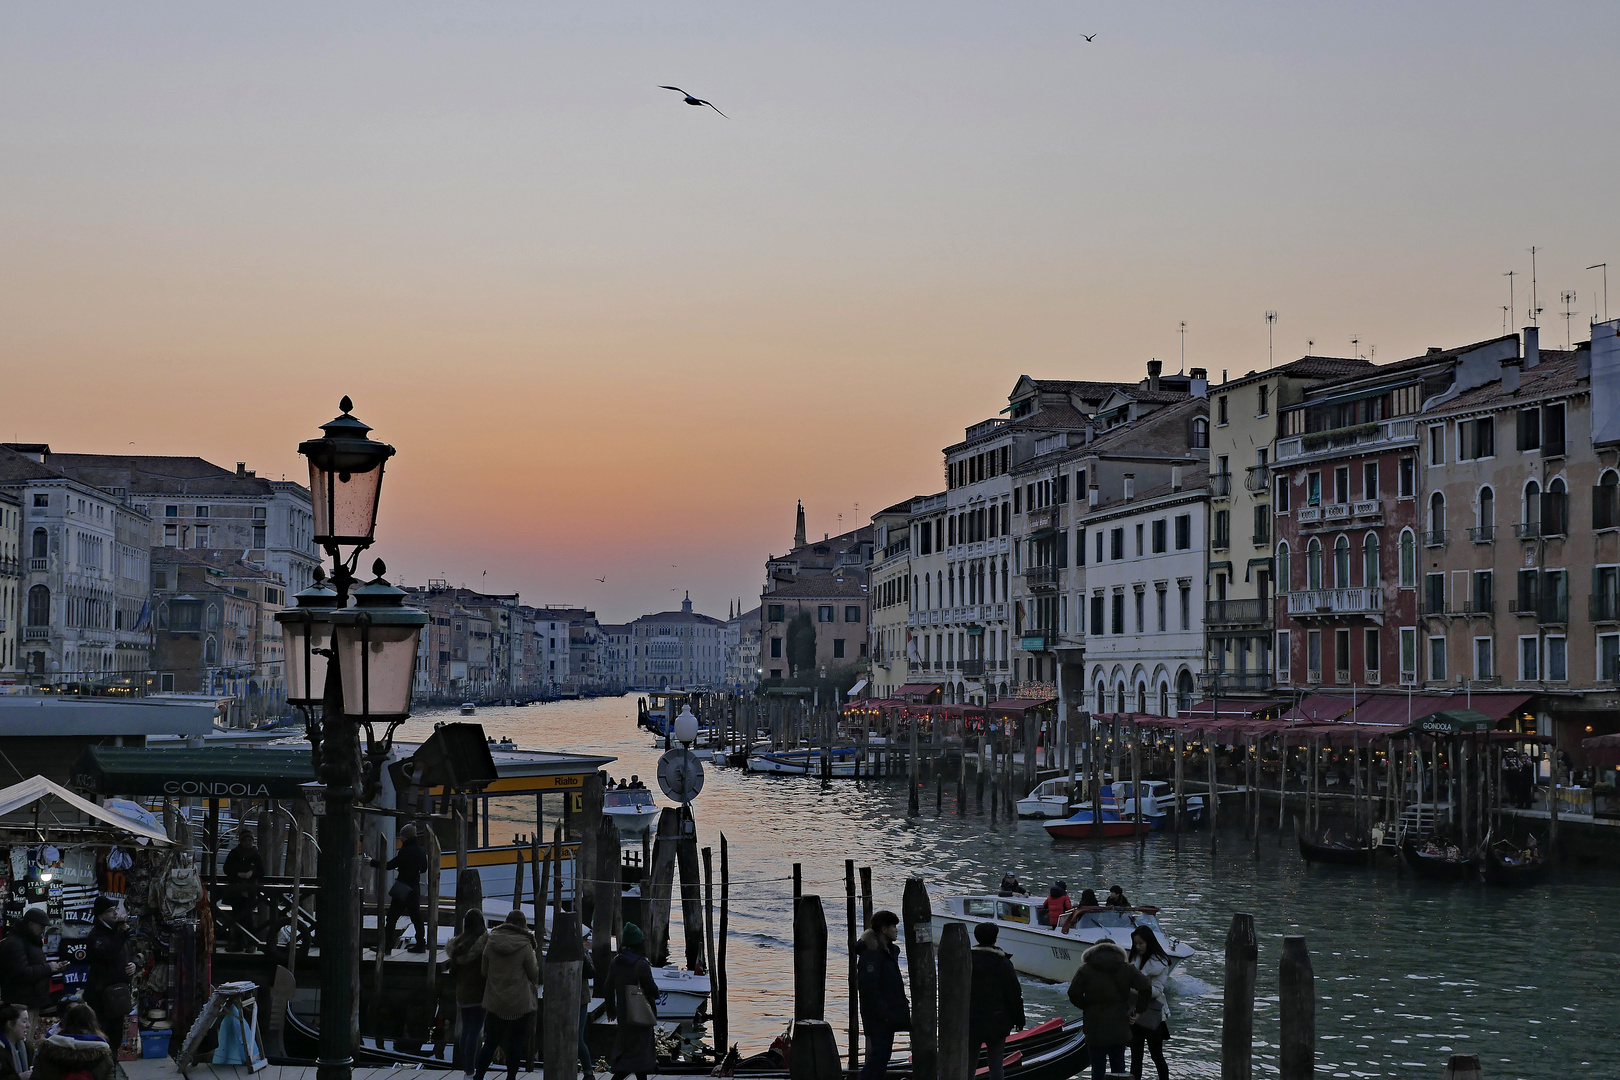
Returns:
(603, 580)
(1088, 37)
(690, 100)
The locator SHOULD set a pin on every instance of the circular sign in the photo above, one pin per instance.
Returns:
(680, 775)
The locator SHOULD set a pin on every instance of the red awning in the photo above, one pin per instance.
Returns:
(1495, 706)
(1230, 708)
(922, 691)
(1017, 706)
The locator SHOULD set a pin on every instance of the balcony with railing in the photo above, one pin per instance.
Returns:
(1220, 485)
(1328, 443)
(1257, 478)
(972, 669)
(1038, 640)
(1482, 534)
(39, 565)
(1043, 521)
(1308, 515)
(1307, 603)
(1367, 508)
(1603, 607)
(36, 633)
(1336, 512)
(1434, 538)
(1043, 578)
(1247, 612)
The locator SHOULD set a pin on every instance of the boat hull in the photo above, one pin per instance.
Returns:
(1046, 806)
(802, 763)
(1332, 855)
(1085, 829)
(1434, 868)
(1497, 871)
(1043, 952)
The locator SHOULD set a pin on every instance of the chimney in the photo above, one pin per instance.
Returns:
(1510, 374)
(1154, 368)
(241, 468)
(1532, 347)
(1091, 432)
(1605, 381)
(1175, 478)
(1130, 486)
(1093, 496)
(1200, 382)
(1583, 361)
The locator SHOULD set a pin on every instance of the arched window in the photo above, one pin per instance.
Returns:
(1532, 510)
(1285, 579)
(1102, 702)
(1606, 501)
(1200, 433)
(39, 606)
(1370, 571)
(42, 544)
(1487, 515)
(1341, 562)
(1141, 697)
(1164, 699)
(1555, 513)
(1437, 519)
(1408, 559)
(1184, 690)
(1313, 564)
(1120, 704)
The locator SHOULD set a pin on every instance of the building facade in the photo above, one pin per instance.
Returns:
(677, 650)
(11, 575)
(890, 577)
(214, 632)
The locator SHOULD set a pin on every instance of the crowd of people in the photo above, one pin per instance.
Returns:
(84, 1037)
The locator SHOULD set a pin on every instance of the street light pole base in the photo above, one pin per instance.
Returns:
(341, 1069)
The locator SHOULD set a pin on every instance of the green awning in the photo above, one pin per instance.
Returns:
(199, 773)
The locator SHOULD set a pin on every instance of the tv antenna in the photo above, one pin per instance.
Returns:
(1605, 267)
(1567, 298)
(1183, 344)
(1535, 302)
(1509, 276)
(1355, 346)
(1505, 312)
(1271, 322)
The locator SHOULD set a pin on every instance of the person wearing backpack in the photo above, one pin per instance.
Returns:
(633, 1002)
(77, 1051)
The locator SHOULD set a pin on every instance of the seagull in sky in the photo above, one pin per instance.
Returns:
(1088, 37)
(690, 100)
(603, 580)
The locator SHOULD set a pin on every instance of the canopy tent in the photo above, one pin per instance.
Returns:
(1015, 706)
(216, 772)
(1602, 751)
(920, 693)
(1495, 707)
(37, 788)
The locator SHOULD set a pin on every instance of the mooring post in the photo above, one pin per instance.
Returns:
(517, 882)
(606, 887)
(911, 772)
(866, 897)
(1214, 787)
(434, 857)
(663, 880)
(809, 959)
(591, 798)
(957, 1057)
(686, 853)
(565, 962)
(852, 918)
(1462, 1067)
(1237, 1013)
(798, 880)
(708, 914)
(917, 916)
(1296, 982)
(1181, 795)
(717, 983)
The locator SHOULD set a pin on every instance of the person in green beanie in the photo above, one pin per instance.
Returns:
(632, 1044)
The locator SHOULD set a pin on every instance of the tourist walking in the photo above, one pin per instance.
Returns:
(1151, 1026)
(405, 897)
(16, 1057)
(884, 1008)
(511, 992)
(632, 1001)
(995, 1000)
(25, 973)
(1106, 990)
(465, 952)
(110, 967)
(78, 1049)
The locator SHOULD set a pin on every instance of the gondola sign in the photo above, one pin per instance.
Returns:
(680, 775)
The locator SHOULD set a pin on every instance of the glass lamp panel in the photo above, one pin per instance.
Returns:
(390, 668)
(345, 503)
(320, 637)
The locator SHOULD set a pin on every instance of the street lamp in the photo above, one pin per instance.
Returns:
(374, 643)
(686, 727)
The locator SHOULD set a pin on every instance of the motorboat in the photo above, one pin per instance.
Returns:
(1158, 803)
(632, 809)
(1049, 799)
(1080, 826)
(469, 708)
(1048, 952)
(682, 995)
(803, 762)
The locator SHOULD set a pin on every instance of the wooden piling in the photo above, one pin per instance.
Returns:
(1214, 788)
(866, 898)
(917, 915)
(708, 913)
(852, 919)
(434, 857)
(911, 772)
(656, 908)
(809, 959)
(564, 968)
(718, 1003)
(957, 1057)
(686, 855)
(607, 891)
(1296, 1058)
(1136, 779)
(591, 798)
(1462, 1067)
(1237, 1014)
(1282, 786)
(1181, 795)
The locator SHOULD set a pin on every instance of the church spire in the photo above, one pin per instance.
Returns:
(686, 604)
(798, 531)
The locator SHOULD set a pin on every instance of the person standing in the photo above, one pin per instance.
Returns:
(244, 876)
(1106, 990)
(995, 1000)
(1151, 1027)
(465, 953)
(1057, 904)
(78, 1049)
(884, 1008)
(633, 1050)
(25, 973)
(110, 967)
(405, 898)
(16, 1059)
(511, 992)
(587, 979)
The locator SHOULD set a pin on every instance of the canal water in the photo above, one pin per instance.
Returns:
(1406, 972)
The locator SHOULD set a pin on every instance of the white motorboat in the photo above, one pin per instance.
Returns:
(469, 708)
(1047, 952)
(1049, 800)
(632, 809)
(1158, 803)
(682, 995)
(803, 762)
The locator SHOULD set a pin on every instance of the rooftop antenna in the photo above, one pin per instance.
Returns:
(1535, 303)
(1568, 299)
(1605, 268)
(1355, 346)
(1271, 322)
(1310, 344)
(1509, 276)
(1505, 312)
(1183, 344)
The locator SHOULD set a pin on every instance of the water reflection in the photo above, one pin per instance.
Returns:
(1405, 972)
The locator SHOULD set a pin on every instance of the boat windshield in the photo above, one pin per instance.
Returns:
(981, 909)
(630, 797)
(1117, 920)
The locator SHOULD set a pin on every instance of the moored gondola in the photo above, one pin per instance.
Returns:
(1335, 854)
(1438, 864)
(1510, 866)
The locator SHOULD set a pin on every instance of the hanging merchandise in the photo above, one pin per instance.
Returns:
(179, 890)
(19, 864)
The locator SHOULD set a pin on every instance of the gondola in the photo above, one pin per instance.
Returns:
(1513, 866)
(1335, 854)
(1438, 867)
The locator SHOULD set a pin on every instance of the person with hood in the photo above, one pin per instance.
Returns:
(511, 972)
(244, 876)
(465, 954)
(25, 973)
(884, 1008)
(1057, 904)
(16, 1057)
(1010, 885)
(77, 1048)
(106, 948)
(405, 898)
(995, 1000)
(1106, 990)
(633, 1050)
(1151, 1026)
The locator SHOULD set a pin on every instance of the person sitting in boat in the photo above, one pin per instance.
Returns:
(635, 782)
(1116, 898)
(1088, 898)
(1057, 904)
(1010, 885)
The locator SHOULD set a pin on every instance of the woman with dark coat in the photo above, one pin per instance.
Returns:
(995, 1000)
(632, 1046)
(465, 953)
(77, 1047)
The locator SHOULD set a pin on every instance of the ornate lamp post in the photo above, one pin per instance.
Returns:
(374, 646)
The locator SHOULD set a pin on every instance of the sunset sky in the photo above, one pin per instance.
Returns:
(609, 332)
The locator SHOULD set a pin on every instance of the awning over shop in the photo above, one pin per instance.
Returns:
(1602, 751)
(1494, 706)
(1453, 722)
(856, 690)
(37, 788)
(920, 693)
(1230, 708)
(1017, 706)
(217, 773)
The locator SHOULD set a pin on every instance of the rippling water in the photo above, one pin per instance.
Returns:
(1406, 972)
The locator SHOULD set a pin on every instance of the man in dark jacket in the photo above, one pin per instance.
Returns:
(25, 973)
(1106, 990)
(106, 987)
(995, 1000)
(405, 898)
(884, 1008)
(244, 876)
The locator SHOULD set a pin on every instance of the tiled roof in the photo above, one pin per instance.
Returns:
(821, 587)
(681, 617)
(230, 562)
(1137, 431)
(1193, 477)
(18, 467)
(1085, 390)
(158, 475)
(1154, 397)
(1554, 374)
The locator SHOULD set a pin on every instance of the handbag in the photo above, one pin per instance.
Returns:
(400, 891)
(638, 1012)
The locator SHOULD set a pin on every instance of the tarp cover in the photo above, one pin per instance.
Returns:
(35, 788)
(212, 772)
